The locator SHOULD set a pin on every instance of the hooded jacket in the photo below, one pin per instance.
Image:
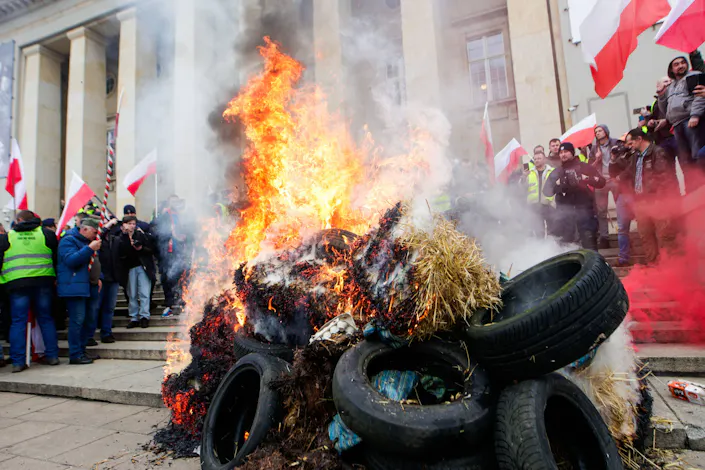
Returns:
(50, 238)
(677, 103)
(606, 149)
(72, 277)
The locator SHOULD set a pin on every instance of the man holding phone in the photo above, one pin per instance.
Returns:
(136, 252)
(684, 109)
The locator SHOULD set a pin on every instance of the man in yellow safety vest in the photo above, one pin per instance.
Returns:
(28, 260)
(545, 207)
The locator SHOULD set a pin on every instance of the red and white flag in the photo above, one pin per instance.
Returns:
(684, 28)
(582, 133)
(609, 35)
(507, 160)
(145, 168)
(77, 196)
(15, 178)
(486, 137)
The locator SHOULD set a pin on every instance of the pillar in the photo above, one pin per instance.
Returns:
(420, 39)
(185, 155)
(40, 129)
(329, 17)
(126, 157)
(86, 123)
(535, 81)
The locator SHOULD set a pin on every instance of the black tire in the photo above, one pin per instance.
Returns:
(333, 240)
(244, 345)
(388, 425)
(244, 402)
(550, 418)
(553, 314)
(483, 460)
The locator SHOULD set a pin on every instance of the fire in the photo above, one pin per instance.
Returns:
(246, 436)
(303, 170)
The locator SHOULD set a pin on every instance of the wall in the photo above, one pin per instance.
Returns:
(463, 20)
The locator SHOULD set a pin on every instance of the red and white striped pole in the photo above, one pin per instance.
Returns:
(108, 179)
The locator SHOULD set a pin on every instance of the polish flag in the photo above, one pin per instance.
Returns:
(582, 133)
(684, 28)
(508, 160)
(145, 168)
(486, 136)
(15, 174)
(609, 35)
(77, 196)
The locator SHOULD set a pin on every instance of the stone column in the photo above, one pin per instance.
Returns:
(329, 17)
(420, 39)
(86, 123)
(127, 84)
(40, 129)
(534, 72)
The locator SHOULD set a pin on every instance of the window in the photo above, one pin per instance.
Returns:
(395, 81)
(488, 69)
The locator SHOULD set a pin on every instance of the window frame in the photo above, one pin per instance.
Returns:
(506, 55)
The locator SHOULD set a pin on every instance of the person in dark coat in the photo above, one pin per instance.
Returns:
(110, 267)
(573, 184)
(136, 257)
(652, 180)
(79, 285)
(28, 261)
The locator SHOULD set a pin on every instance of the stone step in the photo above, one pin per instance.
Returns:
(112, 380)
(128, 350)
(153, 333)
(634, 259)
(673, 359)
(665, 332)
(156, 320)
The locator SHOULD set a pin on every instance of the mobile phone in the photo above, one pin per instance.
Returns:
(526, 167)
(694, 80)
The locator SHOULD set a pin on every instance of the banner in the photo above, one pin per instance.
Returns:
(7, 67)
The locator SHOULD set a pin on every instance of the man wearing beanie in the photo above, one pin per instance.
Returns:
(685, 112)
(130, 211)
(573, 184)
(79, 285)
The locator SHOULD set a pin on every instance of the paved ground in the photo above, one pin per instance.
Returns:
(49, 433)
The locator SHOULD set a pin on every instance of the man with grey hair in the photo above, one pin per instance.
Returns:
(79, 285)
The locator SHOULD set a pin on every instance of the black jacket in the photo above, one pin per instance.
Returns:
(571, 184)
(51, 242)
(131, 258)
(109, 255)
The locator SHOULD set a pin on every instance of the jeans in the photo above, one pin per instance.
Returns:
(82, 319)
(689, 140)
(20, 300)
(658, 235)
(108, 299)
(602, 198)
(139, 286)
(625, 215)
(569, 218)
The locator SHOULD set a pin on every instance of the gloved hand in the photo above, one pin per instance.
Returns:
(570, 179)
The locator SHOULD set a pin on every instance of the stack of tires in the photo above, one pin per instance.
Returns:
(503, 406)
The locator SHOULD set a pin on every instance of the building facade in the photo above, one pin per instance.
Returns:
(176, 61)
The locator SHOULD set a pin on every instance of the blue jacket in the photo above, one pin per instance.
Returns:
(73, 277)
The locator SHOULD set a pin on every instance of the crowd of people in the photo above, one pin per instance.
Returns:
(77, 275)
(569, 188)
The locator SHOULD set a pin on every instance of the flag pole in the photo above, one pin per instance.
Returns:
(156, 195)
(28, 350)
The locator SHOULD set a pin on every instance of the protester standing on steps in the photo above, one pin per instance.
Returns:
(655, 188)
(28, 274)
(575, 203)
(136, 256)
(111, 269)
(79, 285)
(172, 251)
(600, 158)
(554, 148)
(535, 178)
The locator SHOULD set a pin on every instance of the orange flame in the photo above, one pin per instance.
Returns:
(301, 165)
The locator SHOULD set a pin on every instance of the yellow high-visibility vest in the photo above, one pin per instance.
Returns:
(533, 196)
